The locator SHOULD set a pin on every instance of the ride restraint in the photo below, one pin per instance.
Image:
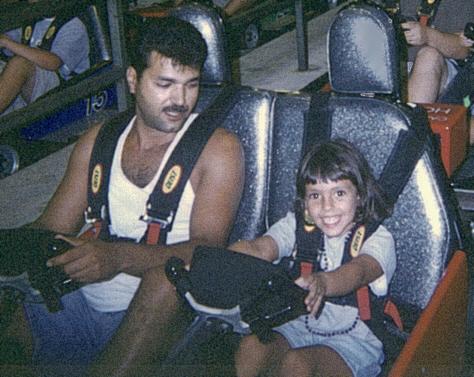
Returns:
(164, 200)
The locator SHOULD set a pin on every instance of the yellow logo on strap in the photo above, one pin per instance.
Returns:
(308, 228)
(27, 33)
(96, 181)
(357, 240)
(50, 32)
(172, 179)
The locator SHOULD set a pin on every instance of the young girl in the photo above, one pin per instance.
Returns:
(336, 190)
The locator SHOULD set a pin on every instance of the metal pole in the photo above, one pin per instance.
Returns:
(301, 37)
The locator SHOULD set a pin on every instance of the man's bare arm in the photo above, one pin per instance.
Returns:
(218, 183)
(65, 210)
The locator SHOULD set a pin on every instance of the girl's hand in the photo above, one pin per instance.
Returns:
(415, 33)
(316, 284)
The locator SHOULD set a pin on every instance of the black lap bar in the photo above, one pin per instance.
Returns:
(23, 256)
(219, 278)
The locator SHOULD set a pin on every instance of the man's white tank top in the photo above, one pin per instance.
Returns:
(127, 203)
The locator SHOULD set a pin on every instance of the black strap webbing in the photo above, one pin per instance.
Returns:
(405, 154)
(427, 11)
(101, 163)
(164, 200)
(317, 121)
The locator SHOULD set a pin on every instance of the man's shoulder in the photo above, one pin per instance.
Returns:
(224, 141)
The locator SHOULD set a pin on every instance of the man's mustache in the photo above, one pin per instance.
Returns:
(176, 109)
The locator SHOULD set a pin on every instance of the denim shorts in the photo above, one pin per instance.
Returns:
(72, 336)
(359, 348)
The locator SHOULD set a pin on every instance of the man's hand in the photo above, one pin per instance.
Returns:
(88, 261)
(415, 33)
(316, 284)
(465, 41)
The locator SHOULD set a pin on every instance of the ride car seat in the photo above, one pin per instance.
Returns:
(216, 69)
(249, 118)
(365, 107)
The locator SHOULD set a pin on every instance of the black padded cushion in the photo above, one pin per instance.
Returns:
(363, 55)
(217, 65)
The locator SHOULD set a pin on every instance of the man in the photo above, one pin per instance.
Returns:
(434, 49)
(164, 78)
(32, 69)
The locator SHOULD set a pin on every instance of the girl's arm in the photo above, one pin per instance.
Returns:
(263, 247)
(277, 242)
(359, 272)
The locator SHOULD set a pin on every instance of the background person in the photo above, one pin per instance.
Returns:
(434, 50)
(32, 70)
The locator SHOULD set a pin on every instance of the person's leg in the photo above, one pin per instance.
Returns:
(254, 357)
(153, 323)
(62, 342)
(314, 361)
(234, 6)
(17, 78)
(427, 77)
(16, 343)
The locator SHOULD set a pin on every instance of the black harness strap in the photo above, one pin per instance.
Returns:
(317, 121)
(399, 167)
(427, 11)
(99, 172)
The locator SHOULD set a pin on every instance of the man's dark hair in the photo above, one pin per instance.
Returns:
(338, 159)
(174, 38)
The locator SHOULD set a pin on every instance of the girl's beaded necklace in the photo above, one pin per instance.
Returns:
(324, 263)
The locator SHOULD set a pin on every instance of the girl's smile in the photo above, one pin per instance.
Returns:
(332, 205)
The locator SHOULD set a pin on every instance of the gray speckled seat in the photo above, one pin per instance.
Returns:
(250, 118)
(364, 57)
(364, 107)
(216, 68)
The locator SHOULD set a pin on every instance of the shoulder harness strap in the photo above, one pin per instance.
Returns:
(427, 11)
(100, 165)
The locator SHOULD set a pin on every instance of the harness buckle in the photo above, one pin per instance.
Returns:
(163, 222)
(91, 218)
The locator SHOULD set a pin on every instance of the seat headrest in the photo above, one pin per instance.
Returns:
(216, 68)
(363, 53)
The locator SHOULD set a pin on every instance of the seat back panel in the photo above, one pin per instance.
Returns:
(251, 121)
(287, 141)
